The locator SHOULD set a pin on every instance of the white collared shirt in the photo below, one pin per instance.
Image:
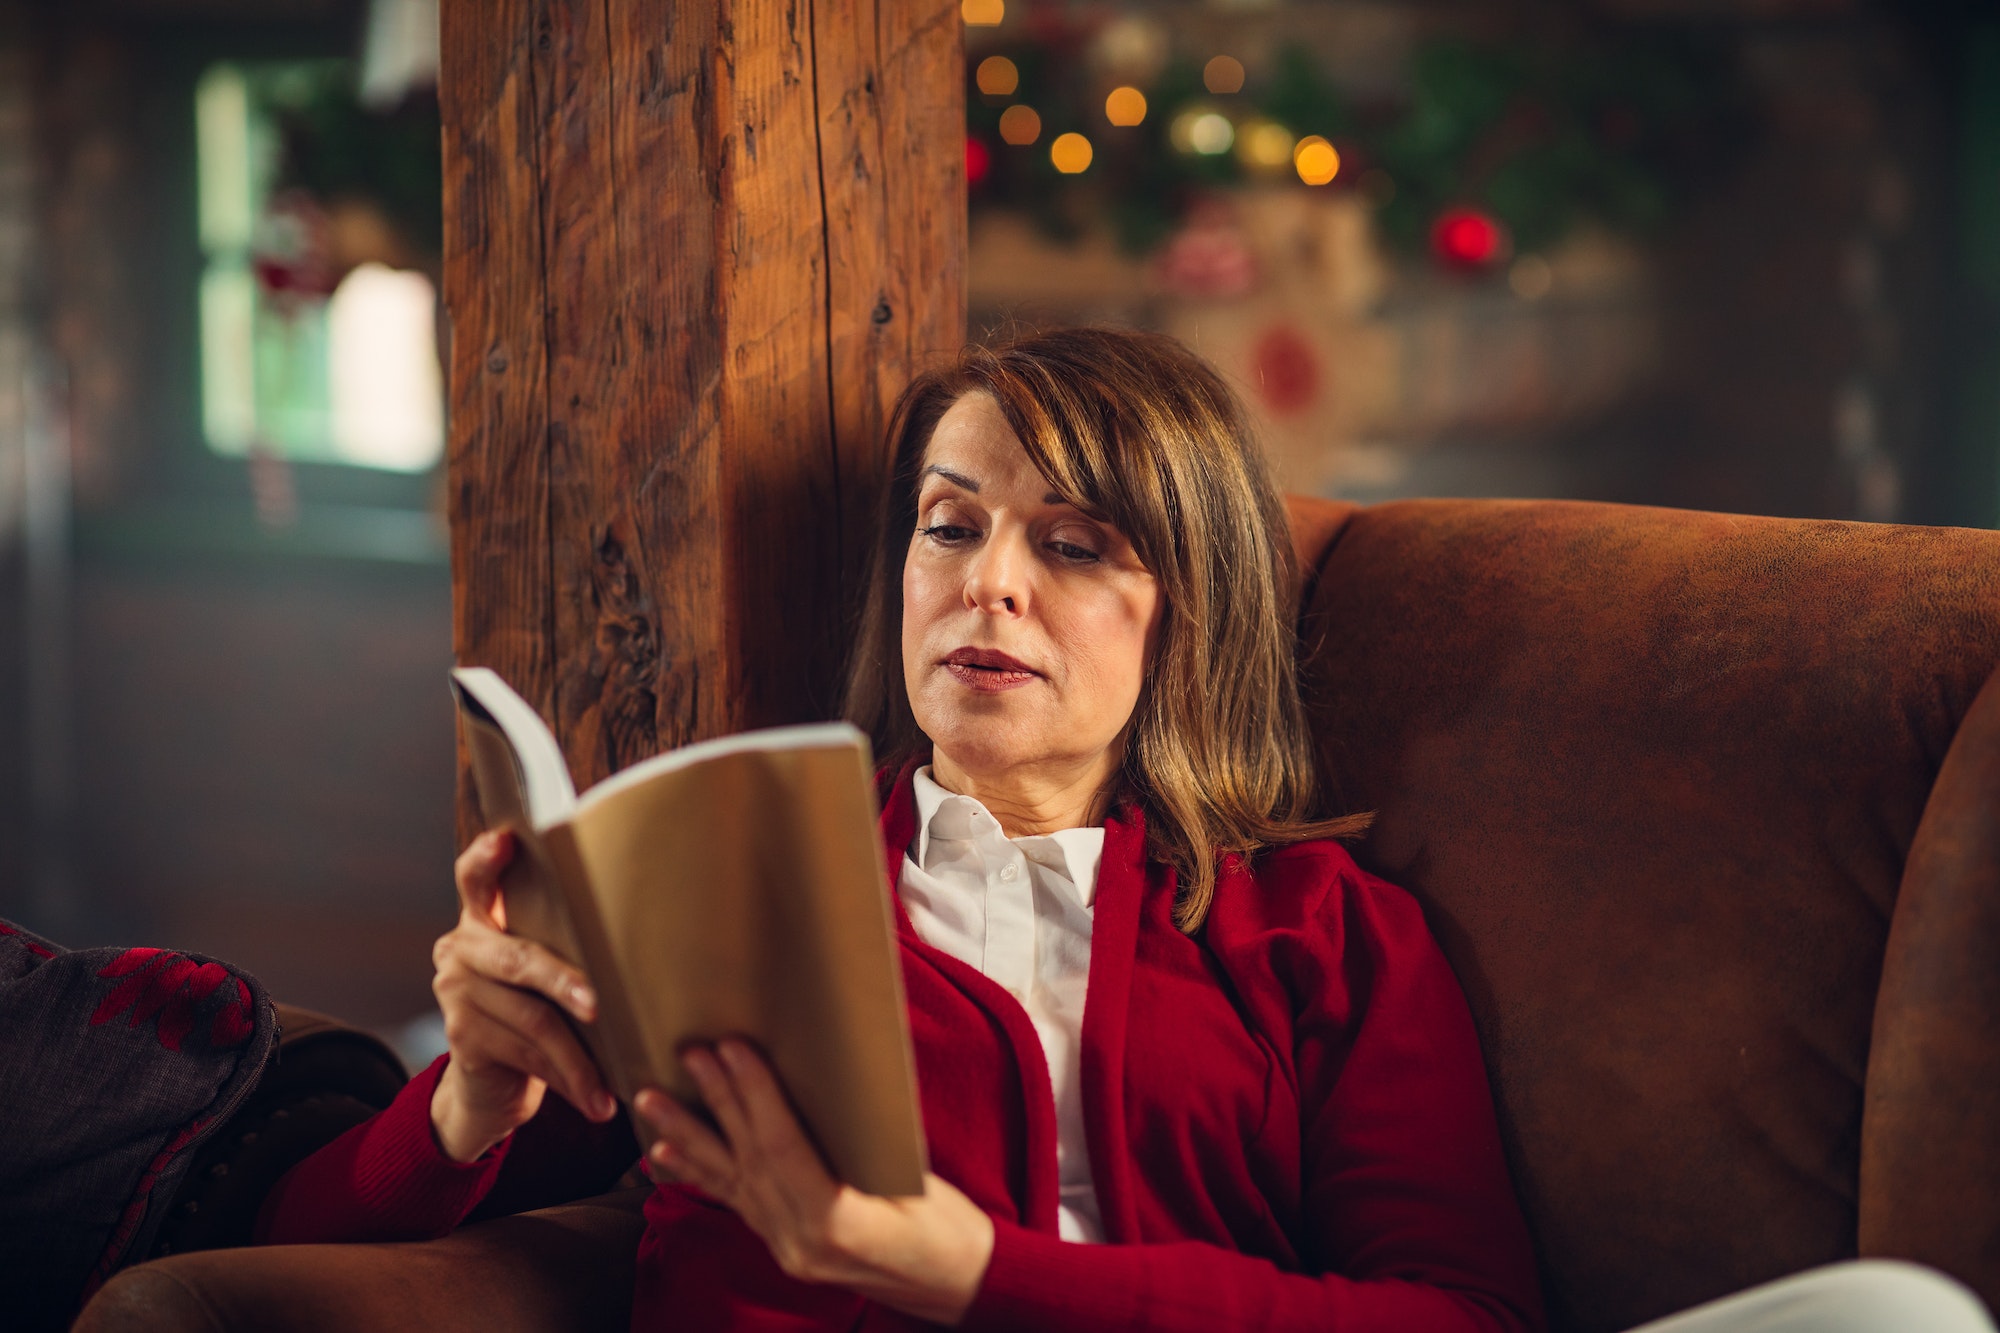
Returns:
(1018, 910)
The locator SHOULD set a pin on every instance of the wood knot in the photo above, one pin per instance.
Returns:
(496, 361)
(882, 314)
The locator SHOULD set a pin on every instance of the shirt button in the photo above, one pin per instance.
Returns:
(1010, 872)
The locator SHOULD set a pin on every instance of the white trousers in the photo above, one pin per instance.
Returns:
(1860, 1296)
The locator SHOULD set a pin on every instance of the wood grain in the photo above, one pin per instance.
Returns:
(497, 467)
(693, 253)
(892, 171)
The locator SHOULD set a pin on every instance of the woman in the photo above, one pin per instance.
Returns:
(1182, 1063)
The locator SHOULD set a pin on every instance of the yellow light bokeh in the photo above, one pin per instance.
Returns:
(1264, 145)
(1210, 133)
(1071, 153)
(997, 76)
(1316, 160)
(1019, 125)
(1125, 106)
(982, 13)
(1224, 74)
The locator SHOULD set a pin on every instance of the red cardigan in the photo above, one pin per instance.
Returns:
(1288, 1118)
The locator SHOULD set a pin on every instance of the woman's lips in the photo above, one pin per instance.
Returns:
(988, 671)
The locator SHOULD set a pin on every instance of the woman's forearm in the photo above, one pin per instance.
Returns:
(384, 1179)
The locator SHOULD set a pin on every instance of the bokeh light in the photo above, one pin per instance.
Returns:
(997, 76)
(1125, 106)
(1467, 238)
(1264, 145)
(1071, 153)
(1019, 125)
(978, 160)
(1316, 160)
(1222, 75)
(1132, 48)
(982, 13)
(1203, 131)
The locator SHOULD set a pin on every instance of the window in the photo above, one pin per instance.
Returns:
(306, 355)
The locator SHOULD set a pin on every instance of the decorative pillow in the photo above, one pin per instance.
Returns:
(115, 1065)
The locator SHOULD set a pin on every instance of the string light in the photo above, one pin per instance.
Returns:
(982, 13)
(1019, 125)
(1467, 238)
(997, 76)
(1316, 160)
(1221, 76)
(1125, 106)
(1071, 153)
(978, 161)
(1264, 145)
(1203, 130)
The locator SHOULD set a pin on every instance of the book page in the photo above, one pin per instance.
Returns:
(766, 738)
(530, 887)
(744, 894)
(546, 793)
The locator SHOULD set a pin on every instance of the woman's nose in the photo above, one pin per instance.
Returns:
(998, 578)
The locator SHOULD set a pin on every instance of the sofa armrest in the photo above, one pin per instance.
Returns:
(327, 1077)
(560, 1269)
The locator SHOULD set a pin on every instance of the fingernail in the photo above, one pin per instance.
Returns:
(584, 999)
(605, 1105)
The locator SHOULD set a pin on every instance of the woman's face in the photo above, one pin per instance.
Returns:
(1027, 625)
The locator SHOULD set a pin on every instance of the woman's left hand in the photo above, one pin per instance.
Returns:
(924, 1256)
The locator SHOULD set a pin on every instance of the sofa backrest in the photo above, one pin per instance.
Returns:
(1655, 777)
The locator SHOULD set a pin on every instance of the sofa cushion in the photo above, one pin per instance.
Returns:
(1654, 776)
(120, 1063)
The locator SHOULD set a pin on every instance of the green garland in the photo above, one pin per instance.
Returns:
(335, 148)
(1614, 130)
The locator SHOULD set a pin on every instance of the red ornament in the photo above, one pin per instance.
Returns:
(1466, 238)
(292, 253)
(1285, 370)
(1209, 258)
(978, 160)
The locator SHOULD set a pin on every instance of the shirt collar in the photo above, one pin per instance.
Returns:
(953, 816)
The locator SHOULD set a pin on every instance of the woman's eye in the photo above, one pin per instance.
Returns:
(947, 534)
(1070, 551)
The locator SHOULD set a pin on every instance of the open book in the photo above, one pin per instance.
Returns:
(732, 887)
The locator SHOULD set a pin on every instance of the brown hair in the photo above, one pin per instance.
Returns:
(1134, 429)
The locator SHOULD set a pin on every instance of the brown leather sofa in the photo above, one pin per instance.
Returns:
(1706, 812)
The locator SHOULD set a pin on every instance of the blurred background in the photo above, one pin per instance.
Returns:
(1727, 254)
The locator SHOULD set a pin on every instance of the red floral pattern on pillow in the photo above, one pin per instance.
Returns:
(26, 943)
(168, 987)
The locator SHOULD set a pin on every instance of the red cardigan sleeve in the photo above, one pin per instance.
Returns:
(387, 1179)
(1410, 1212)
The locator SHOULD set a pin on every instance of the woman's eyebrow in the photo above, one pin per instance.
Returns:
(964, 482)
(956, 479)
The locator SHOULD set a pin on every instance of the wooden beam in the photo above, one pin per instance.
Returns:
(691, 254)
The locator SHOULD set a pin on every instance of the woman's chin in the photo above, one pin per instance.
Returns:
(974, 746)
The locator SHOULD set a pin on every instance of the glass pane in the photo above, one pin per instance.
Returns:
(300, 359)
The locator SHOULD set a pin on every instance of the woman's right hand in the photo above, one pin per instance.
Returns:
(499, 995)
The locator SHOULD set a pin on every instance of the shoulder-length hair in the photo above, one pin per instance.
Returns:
(1134, 429)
